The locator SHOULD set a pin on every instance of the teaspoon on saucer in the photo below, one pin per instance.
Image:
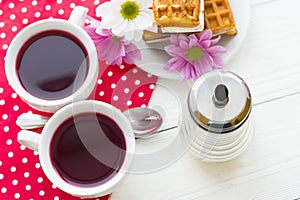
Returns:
(144, 121)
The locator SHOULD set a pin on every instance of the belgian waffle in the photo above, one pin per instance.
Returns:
(176, 13)
(218, 17)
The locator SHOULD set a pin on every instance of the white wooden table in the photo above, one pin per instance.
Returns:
(269, 61)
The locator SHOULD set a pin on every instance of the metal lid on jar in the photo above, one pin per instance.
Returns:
(219, 101)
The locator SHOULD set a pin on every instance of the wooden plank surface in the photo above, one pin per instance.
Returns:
(270, 168)
(269, 57)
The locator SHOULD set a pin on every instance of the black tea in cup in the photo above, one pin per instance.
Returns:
(88, 149)
(52, 64)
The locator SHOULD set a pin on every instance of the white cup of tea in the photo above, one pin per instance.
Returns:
(53, 62)
(85, 148)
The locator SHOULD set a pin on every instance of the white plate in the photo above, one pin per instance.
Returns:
(154, 58)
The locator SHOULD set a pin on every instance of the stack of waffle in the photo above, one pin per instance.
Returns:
(218, 16)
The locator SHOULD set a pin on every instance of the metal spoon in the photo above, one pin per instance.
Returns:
(144, 121)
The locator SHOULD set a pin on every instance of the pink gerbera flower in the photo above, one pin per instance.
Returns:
(194, 55)
(113, 49)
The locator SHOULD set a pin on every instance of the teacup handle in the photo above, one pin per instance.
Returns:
(29, 139)
(78, 15)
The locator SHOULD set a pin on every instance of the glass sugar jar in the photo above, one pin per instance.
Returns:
(217, 121)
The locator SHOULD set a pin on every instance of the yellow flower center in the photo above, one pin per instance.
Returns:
(195, 53)
(129, 10)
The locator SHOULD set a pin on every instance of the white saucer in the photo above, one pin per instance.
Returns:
(154, 58)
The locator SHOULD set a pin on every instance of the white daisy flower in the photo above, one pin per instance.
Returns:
(126, 17)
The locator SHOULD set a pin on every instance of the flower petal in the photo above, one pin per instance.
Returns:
(219, 64)
(193, 37)
(195, 72)
(117, 61)
(187, 71)
(116, 51)
(129, 35)
(183, 38)
(103, 8)
(205, 35)
(119, 28)
(175, 64)
(193, 43)
(131, 26)
(93, 22)
(174, 40)
(110, 22)
(103, 32)
(206, 64)
(120, 1)
(91, 31)
(148, 14)
(184, 44)
(215, 41)
(144, 4)
(138, 35)
(176, 51)
(205, 44)
(169, 48)
(102, 49)
(141, 22)
(216, 50)
(133, 50)
(132, 54)
(110, 13)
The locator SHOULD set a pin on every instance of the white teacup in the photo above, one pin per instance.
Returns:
(72, 142)
(71, 29)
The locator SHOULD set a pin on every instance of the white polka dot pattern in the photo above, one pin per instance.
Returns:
(11, 5)
(28, 187)
(13, 169)
(124, 86)
(34, 3)
(48, 7)
(37, 14)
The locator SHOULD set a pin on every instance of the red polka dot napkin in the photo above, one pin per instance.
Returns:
(125, 86)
